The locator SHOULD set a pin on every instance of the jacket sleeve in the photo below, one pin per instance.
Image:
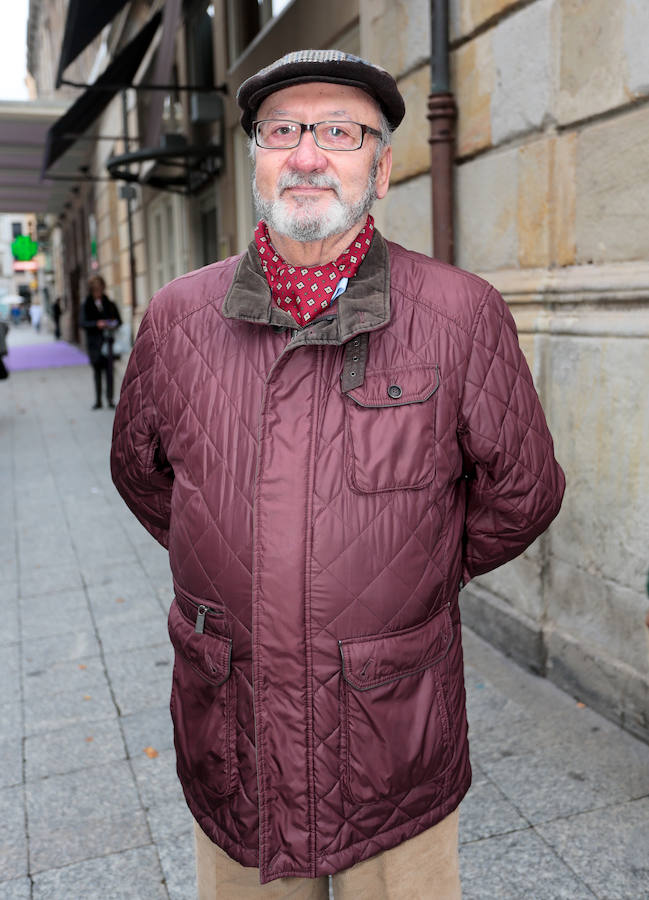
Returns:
(139, 466)
(514, 483)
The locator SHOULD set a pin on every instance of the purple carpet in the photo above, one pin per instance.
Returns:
(44, 356)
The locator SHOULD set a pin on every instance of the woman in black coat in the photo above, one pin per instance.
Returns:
(100, 317)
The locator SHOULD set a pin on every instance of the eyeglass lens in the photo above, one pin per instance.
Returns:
(278, 134)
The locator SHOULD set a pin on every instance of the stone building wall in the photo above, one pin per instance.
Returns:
(552, 206)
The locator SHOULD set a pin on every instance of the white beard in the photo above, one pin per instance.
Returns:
(300, 219)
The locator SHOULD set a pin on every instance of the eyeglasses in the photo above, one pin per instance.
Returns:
(284, 134)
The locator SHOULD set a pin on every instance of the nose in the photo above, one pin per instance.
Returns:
(307, 156)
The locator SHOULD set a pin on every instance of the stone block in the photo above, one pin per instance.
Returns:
(601, 435)
(600, 612)
(519, 580)
(612, 220)
(606, 848)
(534, 203)
(503, 626)
(405, 215)
(590, 35)
(467, 15)
(563, 205)
(473, 83)
(410, 147)
(636, 30)
(487, 212)
(608, 685)
(382, 20)
(522, 94)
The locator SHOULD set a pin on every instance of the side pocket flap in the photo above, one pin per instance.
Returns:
(372, 661)
(396, 387)
(207, 653)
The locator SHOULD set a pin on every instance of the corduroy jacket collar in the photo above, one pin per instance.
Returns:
(364, 306)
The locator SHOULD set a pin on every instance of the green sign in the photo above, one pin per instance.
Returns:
(24, 248)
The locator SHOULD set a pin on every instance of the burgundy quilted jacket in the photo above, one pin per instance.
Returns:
(323, 493)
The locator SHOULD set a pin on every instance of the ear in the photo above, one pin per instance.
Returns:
(383, 173)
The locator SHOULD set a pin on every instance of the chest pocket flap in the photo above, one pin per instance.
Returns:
(391, 429)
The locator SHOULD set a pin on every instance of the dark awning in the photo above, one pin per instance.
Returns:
(90, 105)
(83, 23)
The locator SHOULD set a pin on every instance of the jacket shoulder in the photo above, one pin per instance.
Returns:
(442, 288)
(190, 293)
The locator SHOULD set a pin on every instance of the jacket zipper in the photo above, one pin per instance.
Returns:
(201, 611)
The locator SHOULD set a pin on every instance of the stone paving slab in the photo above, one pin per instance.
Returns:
(13, 839)
(133, 697)
(11, 755)
(177, 859)
(131, 875)
(10, 626)
(51, 580)
(516, 866)
(18, 889)
(60, 613)
(83, 674)
(156, 778)
(11, 716)
(151, 727)
(170, 819)
(608, 848)
(487, 812)
(70, 708)
(131, 610)
(81, 746)
(84, 814)
(45, 651)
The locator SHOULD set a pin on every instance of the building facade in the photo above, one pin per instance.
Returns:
(551, 204)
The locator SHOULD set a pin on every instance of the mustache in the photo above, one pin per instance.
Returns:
(309, 179)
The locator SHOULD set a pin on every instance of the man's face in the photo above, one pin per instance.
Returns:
(307, 193)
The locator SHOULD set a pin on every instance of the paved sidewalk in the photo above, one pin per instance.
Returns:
(90, 808)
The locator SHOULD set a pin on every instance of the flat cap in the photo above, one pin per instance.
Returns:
(321, 65)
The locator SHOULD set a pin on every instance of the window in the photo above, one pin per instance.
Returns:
(163, 221)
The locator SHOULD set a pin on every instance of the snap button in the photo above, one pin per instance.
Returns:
(394, 392)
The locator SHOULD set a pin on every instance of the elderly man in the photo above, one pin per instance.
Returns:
(331, 434)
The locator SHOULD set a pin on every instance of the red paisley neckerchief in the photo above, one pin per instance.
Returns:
(306, 291)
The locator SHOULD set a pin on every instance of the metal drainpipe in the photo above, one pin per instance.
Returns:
(442, 113)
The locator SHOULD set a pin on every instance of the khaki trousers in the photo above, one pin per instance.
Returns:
(425, 867)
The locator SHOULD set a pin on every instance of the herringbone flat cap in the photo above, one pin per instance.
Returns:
(321, 65)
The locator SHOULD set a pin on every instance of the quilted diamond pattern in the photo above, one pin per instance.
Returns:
(235, 446)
